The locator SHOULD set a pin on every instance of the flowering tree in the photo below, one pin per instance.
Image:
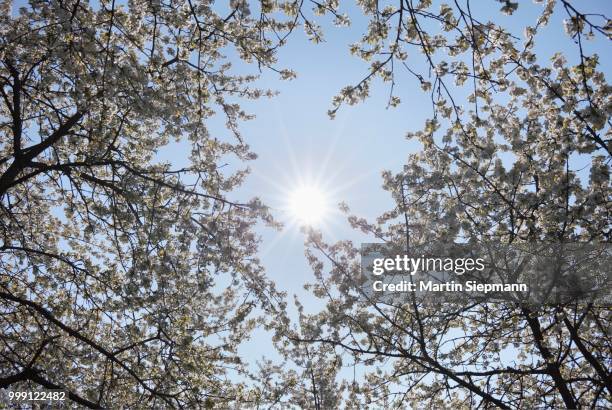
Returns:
(307, 381)
(125, 280)
(526, 158)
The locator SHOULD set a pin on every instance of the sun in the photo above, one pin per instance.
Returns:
(308, 205)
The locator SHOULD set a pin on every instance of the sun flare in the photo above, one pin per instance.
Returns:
(308, 205)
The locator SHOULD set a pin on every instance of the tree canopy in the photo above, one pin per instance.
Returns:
(130, 281)
(115, 264)
(518, 150)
